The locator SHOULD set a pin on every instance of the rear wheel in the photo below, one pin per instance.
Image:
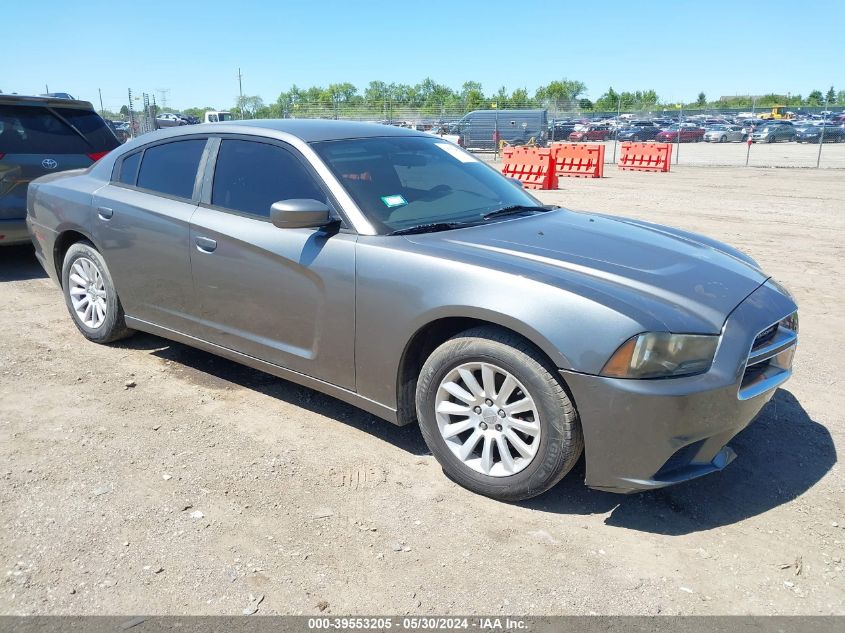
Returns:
(90, 295)
(496, 416)
(724, 139)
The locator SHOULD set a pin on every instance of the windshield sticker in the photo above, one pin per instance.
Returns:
(393, 201)
(457, 152)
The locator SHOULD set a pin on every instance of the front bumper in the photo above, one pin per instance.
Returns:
(644, 434)
(14, 232)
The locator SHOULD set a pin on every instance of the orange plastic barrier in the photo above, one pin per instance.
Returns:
(578, 160)
(532, 166)
(646, 156)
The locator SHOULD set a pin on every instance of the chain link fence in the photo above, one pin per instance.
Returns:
(702, 136)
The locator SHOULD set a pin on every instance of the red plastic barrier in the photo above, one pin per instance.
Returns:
(646, 156)
(578, 160)
(532, 166)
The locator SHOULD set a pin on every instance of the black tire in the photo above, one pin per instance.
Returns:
(635, 138)
(724, 139)
(113, 327)
(561, 440)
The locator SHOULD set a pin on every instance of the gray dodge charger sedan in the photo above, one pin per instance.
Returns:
(393, 270)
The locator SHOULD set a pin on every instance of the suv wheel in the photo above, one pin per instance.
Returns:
(495, 415)
(90, 295)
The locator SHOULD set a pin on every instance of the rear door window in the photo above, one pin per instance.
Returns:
(250, 176)
(129, 169)
(40, 130)
(171, 168)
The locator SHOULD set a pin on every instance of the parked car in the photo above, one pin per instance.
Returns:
(590, 133)
(560, 130)
(813, 134)
(40, 136)
(168, 119)
(724, 134)
(687, 134)
(772, 133)
(189, 119)
(749, 125)
(639, 131)
(217, 116)
(119, 129)
(359, 260)
(480, 129)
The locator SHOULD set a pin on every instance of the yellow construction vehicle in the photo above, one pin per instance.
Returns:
(778, 112)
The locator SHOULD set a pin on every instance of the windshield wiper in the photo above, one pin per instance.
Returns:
(516, 208)
(431, 227)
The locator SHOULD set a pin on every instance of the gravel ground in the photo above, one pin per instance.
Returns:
(148, 477)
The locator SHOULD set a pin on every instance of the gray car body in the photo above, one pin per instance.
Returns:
(353, 313)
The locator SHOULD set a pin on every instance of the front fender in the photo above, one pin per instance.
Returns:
(400, 291)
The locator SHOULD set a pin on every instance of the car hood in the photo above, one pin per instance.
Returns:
(687, 282)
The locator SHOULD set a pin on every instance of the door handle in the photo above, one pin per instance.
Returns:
(205, 244)
(105, 213)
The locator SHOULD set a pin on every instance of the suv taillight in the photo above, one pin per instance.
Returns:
(95, 156)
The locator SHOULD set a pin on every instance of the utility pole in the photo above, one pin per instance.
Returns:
(241, 92)
(102, 110)
(821, 138)
(46, 88)
(163, 94)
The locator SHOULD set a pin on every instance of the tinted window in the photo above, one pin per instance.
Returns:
(129, 169)
(92, 126)
(249, 177)
(39, 130)
(171, 168)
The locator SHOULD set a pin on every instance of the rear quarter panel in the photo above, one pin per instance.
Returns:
(55, 204)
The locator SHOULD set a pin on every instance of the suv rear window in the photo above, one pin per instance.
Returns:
(40, 130)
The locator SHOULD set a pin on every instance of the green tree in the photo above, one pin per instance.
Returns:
(830, 97)
(815, 98)
(840, 97)
(519, 99)
(608, 102)
(702, 100)
(563, 93)
(248, 107)
(124, 110)
(472, 96)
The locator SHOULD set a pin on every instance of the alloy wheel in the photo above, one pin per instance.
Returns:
(488, 419)
(88, 293)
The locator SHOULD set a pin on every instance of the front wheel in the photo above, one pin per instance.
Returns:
(496, 416)
(90, 295)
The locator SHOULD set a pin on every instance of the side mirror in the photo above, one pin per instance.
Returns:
(299, 213)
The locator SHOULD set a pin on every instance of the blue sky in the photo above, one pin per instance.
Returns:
(194, 49)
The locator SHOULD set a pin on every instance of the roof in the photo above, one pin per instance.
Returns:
(10, 99)
(312, 130)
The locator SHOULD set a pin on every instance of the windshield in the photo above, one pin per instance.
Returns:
(401, 182)
(224, 116)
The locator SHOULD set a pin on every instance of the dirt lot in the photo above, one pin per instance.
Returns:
(207, 485)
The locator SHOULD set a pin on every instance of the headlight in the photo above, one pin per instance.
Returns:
(662, 355)
(790, 322)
